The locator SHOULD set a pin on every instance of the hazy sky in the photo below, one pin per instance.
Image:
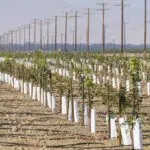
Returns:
(15, 13)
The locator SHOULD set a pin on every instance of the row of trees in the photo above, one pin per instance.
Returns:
(38, 68)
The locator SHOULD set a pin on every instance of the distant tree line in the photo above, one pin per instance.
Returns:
(110, 47)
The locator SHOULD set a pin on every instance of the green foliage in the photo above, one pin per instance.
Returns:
(135, 69)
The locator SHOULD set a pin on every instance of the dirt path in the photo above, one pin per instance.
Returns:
(26, 125)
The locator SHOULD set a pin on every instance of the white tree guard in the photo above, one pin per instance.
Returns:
(53, 103)
(42, 96)
(94, 78)
(140, 88)
(16, 84)
(108, 67)
(45, 98)
(6, 77)
(90, 66)
(74, 76)
(25, 88)
(113, 83)
(70, 111)
(0, 76)
(64, 105)
(113, 131)
(104, 79)
(49, 103)
(100, 68)
(76, 112)
(98, 81)
(21, 84)
(107, 119)
(107, 78)
(3, 77)
(86, 123)
(64, 72)
(30, 90)
(122, 72)
(117, 71)
(118, 83)
(34, 93)
(38, 93)
(95, 67)
(137, 135)
(148, 88)
(113, 128)
(60, 72)
(93, 121)
(125, 132)
(11, 81)
(144, 75)
(67, 73)
(113, 71)
(127, 85)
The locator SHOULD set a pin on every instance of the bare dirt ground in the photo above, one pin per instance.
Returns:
(27, 125)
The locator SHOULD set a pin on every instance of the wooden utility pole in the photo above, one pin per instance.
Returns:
(24, 37)
(8, 40)
(20, 38)
(55, 33)
(35, 22)
(48, 21)
(66, 29)
(48, 35)
(41, 27)
(125, 36)
(52, 39)
(66, 26)
(29, 33)
(76, 30)
(76, 22)
(88, 31)
(11, 32)
(103, 25)
(80, 42)
(122, 25)
(145, 27)
(4, 43)
(73, 42)
(16, 40)
(0, 42)
(3, 37)
(61, 41)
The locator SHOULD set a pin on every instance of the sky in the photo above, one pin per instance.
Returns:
(16, 13)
